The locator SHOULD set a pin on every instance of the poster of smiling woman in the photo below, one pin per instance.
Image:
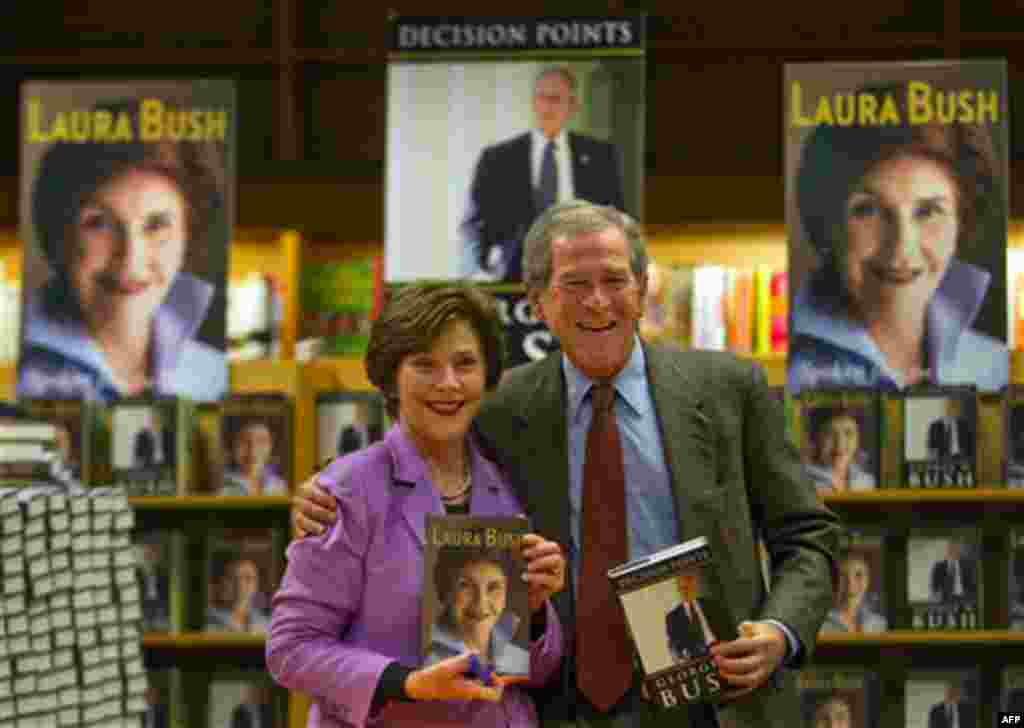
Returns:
(896, 213)
(127, 199)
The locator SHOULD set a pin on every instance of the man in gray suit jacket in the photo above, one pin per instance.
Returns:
(705, 453)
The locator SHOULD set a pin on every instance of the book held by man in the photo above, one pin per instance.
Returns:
(674, 620)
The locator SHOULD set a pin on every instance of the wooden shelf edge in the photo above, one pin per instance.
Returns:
(170, 57)
(918, 495)
(923, 637)
(857, 40)
(210, 502)
(202, 640)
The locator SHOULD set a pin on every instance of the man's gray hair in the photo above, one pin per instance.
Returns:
(571, 218)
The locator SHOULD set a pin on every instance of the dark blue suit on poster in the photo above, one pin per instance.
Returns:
(503, 199)
(685, 637)
(941, 581)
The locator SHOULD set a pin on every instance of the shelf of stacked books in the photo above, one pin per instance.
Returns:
(720, 287)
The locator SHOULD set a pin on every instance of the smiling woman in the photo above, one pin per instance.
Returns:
(119, 225)
(891, 209)
(347, 624)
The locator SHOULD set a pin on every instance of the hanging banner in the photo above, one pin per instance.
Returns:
(490, 120)
(896, 213)
(126, 208)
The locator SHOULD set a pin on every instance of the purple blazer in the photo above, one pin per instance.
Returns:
(349, 602)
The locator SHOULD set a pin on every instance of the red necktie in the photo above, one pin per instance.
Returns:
(604, 653)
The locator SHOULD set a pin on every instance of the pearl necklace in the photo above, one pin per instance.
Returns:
(467, 483)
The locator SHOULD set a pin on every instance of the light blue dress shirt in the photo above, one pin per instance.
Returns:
(650, 504)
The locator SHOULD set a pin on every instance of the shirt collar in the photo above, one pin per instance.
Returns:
(630, 383)
(539, 140)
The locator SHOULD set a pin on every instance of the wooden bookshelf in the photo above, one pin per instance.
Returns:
(261, 249)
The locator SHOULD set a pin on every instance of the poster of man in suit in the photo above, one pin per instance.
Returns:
(955, 578)
(941, 699)
(244, 698)
(562, 164)
(686, 626)
(944, 578)
(510, 115)
(144, 445)
(346, 422)
(940, 430)
(1013, 689)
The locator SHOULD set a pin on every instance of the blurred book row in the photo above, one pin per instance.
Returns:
(939, 697)
(718, 307)
(213, 579)
(926, 578)
(218, 698)
(856, 440)
(243, 446)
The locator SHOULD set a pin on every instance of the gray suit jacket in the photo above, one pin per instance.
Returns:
(735, 476)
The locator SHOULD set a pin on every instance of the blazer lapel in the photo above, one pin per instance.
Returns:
(542, 465)
(688, 439)
(414, 495)
(487, 498)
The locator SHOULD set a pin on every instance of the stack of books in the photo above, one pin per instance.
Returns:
(70, 649)
(29, 451)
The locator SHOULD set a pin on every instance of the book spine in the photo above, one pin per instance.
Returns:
(680, 304)
(779, 311)
(178, 579)
(743, 342)
(1017, 330)
(709, 311)
(763, 329)
(184, 437)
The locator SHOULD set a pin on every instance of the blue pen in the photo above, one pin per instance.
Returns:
(479, 670)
